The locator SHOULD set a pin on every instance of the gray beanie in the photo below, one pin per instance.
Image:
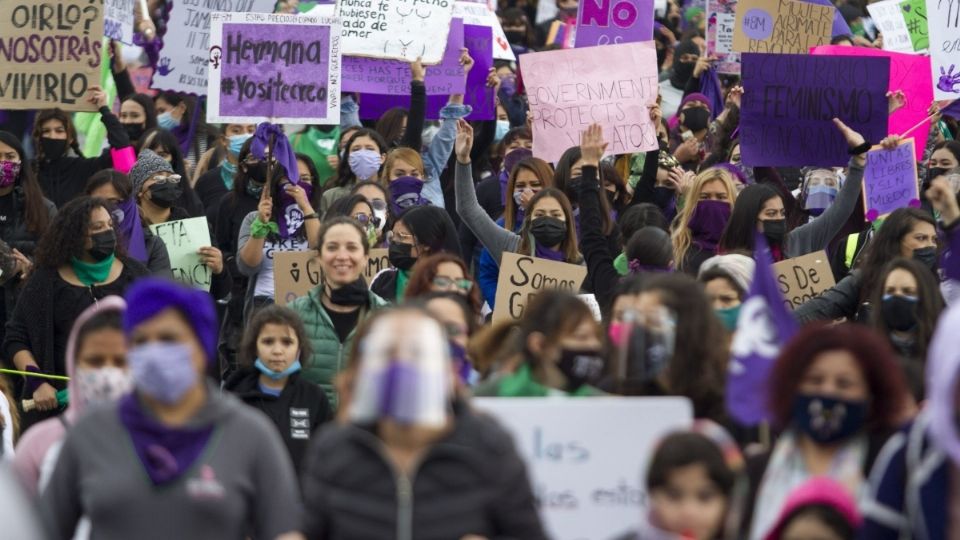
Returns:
(148, 164)
(738, 267)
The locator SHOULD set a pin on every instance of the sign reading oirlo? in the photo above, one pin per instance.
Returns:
(183, 239)
(522, 276)
(50, 53)
(296, 272)
(890, 180)
(781, 26)
(802, 278)
(395, 29)
(586, 465)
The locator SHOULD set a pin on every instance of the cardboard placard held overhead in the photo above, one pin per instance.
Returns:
(802, 278)
(781, 26)
(721, 20)
(890, 180)
(183, 239)
(50, 53)
(888, 17)
(296, 272)
(522, 276)
(118, 20)
(395, 29)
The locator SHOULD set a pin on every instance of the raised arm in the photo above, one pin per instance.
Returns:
(413, 134)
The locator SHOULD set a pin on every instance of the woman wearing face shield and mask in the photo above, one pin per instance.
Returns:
(819, 189)
(414, 458)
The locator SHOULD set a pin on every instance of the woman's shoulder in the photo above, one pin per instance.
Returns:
(133, 268)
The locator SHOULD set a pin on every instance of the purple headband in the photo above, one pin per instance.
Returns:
(149, 296)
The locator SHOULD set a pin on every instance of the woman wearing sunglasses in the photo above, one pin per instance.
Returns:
(360, 209)
(444, 273)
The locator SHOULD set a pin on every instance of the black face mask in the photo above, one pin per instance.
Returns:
(926, 256)
(899, 312)
(516, 37)
(573, 189)
(696, 118)
(548, 231)
(351, 294)
(134, 131)
(775, 230)
(682, 71)
(258, 172)
(399, 255)
(104, 244)
(53, 148)
(164, 195)
(662, 196)
(580, 367)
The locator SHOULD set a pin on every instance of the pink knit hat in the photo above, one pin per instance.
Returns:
(819, 490)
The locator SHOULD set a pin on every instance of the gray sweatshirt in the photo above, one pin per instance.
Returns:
(494, 237)
(816, 235)
(242, 485)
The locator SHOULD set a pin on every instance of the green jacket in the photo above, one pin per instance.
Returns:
(329, 355)
(521, 384)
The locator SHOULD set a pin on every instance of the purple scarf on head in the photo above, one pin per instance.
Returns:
(281, 151)
(290, 220)
(165, 453)
(405, 193)
(544, 252)
(131, 231)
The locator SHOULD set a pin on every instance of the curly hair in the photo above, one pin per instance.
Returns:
(874, 356)
(66, 236)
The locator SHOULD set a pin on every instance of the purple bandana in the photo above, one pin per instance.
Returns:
(544, 252)
(131, 230)
(707, 223)
(405, 193)
(282, 151)
(290, 219)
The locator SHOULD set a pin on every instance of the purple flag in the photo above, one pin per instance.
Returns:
(765, 324)
(606, 22)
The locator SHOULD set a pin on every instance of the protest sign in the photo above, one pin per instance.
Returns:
(118, 20)
(185, 55)
(781, 26)
(392, 77)
(840, 26)
(909, 73)
(890, 180)
(888, 17)
(479, 15)
(802, 278)
(50, 54)
(522, 276)
(915, 15)
(296, 272)
(605, 22)
(183, 239)
(790, 100)
(943, 26)
(273, 68)
(587, 458)
(569, 90)
(721, 19)
(395, 29)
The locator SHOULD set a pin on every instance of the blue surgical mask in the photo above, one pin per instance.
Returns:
(277, 375)
(167, 121)
(503, 126)
(365, 163)
(163, 371)
(235, 143)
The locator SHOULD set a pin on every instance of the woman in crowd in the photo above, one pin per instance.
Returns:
(461, 322)
(274, 348)
(165, 145)
(178, 114)
(406, 434)
(726, 280)
(443, 273)
(134, 237)
(362, 159)
(420, 231)
(137, 115)
(700, 224)
(332, 310)
(212, 185)
(837, 395)
(556, 348)
(96, 362)
(187, 440)
(60, 175)
(820, 508)
(358, 208)
(380, 201)
(404, 176)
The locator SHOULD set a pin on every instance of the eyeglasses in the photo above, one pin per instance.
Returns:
(400, 238)
(170, 179)
(462, 285)
(366, 219)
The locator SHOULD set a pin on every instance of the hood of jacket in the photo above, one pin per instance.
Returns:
(114, 303)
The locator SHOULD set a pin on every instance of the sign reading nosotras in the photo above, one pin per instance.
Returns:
(183, 239)
(803, 278)
(50, 53)
(522, 276)
(584, 462)
(296, 272)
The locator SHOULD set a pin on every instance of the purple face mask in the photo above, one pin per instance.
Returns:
(9, 171)
(708, 221)
(405, 192)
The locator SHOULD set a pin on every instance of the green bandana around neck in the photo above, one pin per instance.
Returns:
(92, 273)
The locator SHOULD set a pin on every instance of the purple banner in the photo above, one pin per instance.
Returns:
(604, 22)
(393, 77)
(790, 100)
(890, 180)
(267, 72)
(478, 40)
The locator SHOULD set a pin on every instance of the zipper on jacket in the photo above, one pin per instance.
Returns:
(404, 507)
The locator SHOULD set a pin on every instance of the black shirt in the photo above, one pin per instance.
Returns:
(344, 323)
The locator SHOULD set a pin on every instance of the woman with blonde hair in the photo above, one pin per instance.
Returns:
(405, 177)
(701, 221)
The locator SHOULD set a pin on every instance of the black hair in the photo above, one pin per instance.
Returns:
(390, 125)
(317, 192)
(684, 449)
(650, 246)
(741, 230)
(281, 316)
(105, 319)
(345, 175)
(161, 138)
(826, 515)
(639, 216)
(432, 228)
(120, 182)
(344, 206)
(149, 109)
(885, 245)
(67, 234)
(27, 192)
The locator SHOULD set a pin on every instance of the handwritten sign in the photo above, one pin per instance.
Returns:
(943, 25)
(118, 20)
(522, 276)
(781, 26)
(586, 464)
(888, 17)
(474, 14)
(890, 180)
(395, 29)
(803, 278)
(297, 272)
(182, 66)
(50, 54)
(274, 68)
(721, 20)
(602, 22)
(392, 77)
(790, 100)
(569, 90)
(915, 15)
(183, 239)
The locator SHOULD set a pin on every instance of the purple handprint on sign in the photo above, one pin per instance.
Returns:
(949, 82)
(164, 69)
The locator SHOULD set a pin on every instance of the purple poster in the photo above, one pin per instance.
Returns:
(890, 180)
(478, 40)
(392, 77)
(790, 101)
(605, 22)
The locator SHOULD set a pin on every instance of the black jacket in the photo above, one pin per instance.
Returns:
(470, 482)
(210, 188)
(385, 286)
(301, 407)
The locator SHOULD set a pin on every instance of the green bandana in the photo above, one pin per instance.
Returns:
(621, 265)
(403, 276)
(91, 273)
(522, 384)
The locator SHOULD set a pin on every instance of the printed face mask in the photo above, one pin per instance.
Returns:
(828, 420)
(101, 385)
(580, 367)
(9, 171)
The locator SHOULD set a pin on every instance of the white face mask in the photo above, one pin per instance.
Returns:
(96, 386)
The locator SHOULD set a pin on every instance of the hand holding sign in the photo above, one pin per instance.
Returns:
(466, 61)
(592, 145)
(417, 71)
(212, 258)
(97, 97)
(464, 141)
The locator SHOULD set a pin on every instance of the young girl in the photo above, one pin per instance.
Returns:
(271, 351)
(820, 508)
